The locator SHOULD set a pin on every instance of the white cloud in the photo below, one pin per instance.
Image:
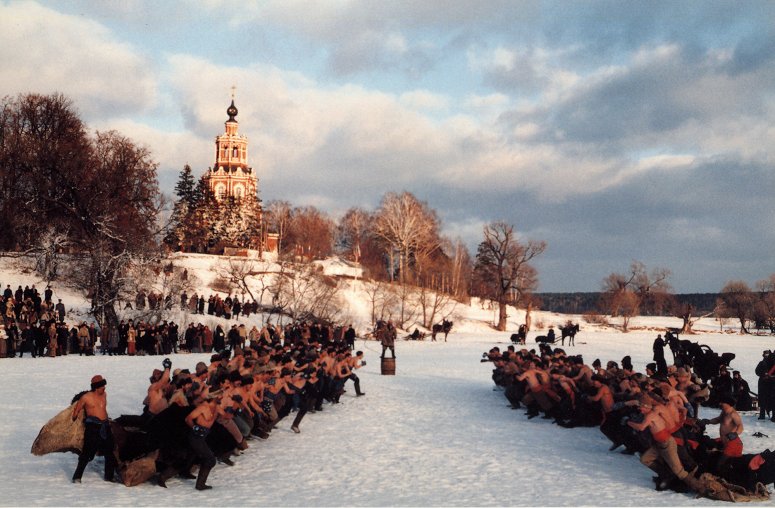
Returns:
(424, 100)
(293, 123)
(494, 100)
(470, 229)
(44, 51)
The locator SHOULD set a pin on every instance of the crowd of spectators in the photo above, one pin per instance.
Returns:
(33, 324)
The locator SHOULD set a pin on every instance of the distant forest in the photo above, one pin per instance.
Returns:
(582, 303)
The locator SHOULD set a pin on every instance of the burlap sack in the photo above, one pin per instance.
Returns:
(140, 470)
(60, 434)
(721, 490)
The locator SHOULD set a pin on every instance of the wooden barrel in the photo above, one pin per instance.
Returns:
(388, 366)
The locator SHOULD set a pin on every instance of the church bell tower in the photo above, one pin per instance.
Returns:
(231, 176)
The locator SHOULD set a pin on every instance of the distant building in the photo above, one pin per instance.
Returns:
(232, 177)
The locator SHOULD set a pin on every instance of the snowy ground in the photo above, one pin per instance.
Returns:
(434, 434)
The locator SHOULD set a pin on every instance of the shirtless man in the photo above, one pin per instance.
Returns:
(96, 435)
(584, 377)
(603, 395)
(157, 392)
(612, 411)
(200, 420)
(536, 379)
(730, 428)
(658, 421)
(355, 362)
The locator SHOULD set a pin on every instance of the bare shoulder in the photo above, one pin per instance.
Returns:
(88, 397)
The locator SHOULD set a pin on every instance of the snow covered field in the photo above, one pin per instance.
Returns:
(434, 434)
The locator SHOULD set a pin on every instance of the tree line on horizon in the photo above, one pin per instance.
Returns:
(96, 196)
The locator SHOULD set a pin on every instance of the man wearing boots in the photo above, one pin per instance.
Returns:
(764, 370)
(97, 435)
(388, 339)
(356, 362)
(201, 420)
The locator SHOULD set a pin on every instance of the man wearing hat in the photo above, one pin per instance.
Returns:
(765, 370)
(97, 435)
(200, 420)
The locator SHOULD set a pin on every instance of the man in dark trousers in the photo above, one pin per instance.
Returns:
(388, 339)
(766, 385)
(349, 337)
(96, 435)
(659, 355)
(201, 420)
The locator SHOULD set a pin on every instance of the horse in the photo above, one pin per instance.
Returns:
(569, 331)
(445, 326)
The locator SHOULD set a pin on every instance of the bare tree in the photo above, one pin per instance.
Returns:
(279, 216)
(766, 288)
(686, 314)
(502, 271)
(434, 305)
(652, 289)
(310, 232)
(409, 229)
(48, 252)
(352, 232)
(305, 293)
(403, 308)
(739, 299)
(624, 294)
(237, 272)
(381, 299)
(461, 269)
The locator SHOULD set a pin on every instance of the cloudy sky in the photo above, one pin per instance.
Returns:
(615, 131)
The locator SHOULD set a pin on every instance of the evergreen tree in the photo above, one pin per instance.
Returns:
(180, 233)
(230, 222)
(250, 218)
(204, 223)
(186, 189)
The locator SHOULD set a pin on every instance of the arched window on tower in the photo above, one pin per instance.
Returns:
(238, 192)
(234, 152)
(220, 191)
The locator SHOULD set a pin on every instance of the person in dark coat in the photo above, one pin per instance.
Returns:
(234, 338)
(741, 392)
(659, 355)
(387, 337)
(766, 384)
(219, 339)
(349, 337)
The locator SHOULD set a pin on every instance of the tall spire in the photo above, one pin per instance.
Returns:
(232, 110)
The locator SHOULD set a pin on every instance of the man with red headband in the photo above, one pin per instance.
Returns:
(97, 435)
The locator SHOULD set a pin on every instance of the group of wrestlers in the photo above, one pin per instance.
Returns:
(240, 395)
(655, 414)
